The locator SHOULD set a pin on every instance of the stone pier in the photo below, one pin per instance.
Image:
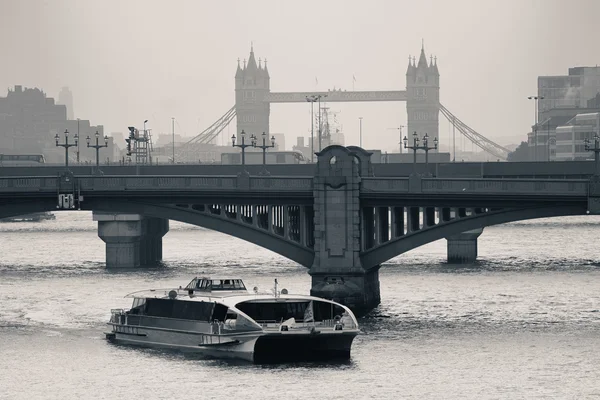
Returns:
(337, 272)
(131, 239)
(151, 241)
(462, 248)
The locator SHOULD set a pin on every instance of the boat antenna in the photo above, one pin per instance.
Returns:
(275, 289)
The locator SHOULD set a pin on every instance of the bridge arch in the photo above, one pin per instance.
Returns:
(365, 168)
(377, 255)
(297, 252)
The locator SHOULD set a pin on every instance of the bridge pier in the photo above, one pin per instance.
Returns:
(151, 240)
(462, 248)
(337, 271)
(131, 239)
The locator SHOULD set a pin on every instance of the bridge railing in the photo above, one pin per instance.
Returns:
(27, 184)
(556, 187)
(162, 183)
(299, 184)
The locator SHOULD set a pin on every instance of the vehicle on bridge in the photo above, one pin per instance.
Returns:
(272, 157)
(9, 160)
(220, 318)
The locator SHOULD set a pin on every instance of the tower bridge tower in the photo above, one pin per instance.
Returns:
(252, 84)
(423, 96)
(253, 96)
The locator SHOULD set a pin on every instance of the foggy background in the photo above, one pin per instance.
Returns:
(127, 61)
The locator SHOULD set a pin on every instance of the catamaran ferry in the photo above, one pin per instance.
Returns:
(221, 318)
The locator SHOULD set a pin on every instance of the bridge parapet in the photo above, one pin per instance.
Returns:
(24, 184)
(480, 186)
(159, 183)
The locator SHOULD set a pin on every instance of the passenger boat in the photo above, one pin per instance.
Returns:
(221, 318)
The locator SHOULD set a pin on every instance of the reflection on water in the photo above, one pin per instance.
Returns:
(522, 322)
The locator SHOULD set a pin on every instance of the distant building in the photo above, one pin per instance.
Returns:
(29, 122)
(564, 97)
(305, 148)
(272, 157)
(252, 84)
(206, 153)
(166, 139)
(279, 141)
(423, 95)
(65, 98)
(389, 158)
(570, 91)
(570, 138)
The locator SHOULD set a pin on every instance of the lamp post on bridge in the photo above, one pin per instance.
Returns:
(97, 146)
(243, 144)
(66, 145)
(319, 99)
(311, 99)
(425, 146)
(535, 125)
(360, 132)
(264, 145)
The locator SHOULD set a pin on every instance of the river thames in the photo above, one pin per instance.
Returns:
(522, 323)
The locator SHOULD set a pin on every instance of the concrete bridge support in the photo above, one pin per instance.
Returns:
(153, 230)
(462, 248)
(337, 272)
(131, 239)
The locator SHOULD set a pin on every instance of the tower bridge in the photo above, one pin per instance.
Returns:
(340, 220)
(253, 99)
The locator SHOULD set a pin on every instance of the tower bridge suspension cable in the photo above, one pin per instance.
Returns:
(476, 138)
(189, 150)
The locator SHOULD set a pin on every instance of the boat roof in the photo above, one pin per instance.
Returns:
(227, 298)
(197, 290)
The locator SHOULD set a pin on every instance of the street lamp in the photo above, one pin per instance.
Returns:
(243, 145)
(535, 119)
(173, 137)
(360, 132)
(97, 146)
(66, 145)
(311, 99)
(319, 98)
(264, 145)
(77, 142)
(596, 150)
(425, 146)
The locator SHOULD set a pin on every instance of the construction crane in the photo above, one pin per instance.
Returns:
(399, 128)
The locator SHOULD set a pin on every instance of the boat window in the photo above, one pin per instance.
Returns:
(219, 312)
(137, 306)
(166, 308)
(238, 284)
(260, 311)
(228, 284)
(273, 311)
(193, 284)
(203, 284)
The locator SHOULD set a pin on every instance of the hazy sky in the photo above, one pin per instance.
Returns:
(126, 61)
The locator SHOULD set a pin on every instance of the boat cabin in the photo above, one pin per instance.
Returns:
(216, 285)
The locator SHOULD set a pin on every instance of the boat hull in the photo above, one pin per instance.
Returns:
(239, 346)
(324, 346)
(257, 347)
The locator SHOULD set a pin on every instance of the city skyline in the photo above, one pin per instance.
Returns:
(133, 72)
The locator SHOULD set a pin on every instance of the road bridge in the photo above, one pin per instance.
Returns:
(341, 221)
(531, 170)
